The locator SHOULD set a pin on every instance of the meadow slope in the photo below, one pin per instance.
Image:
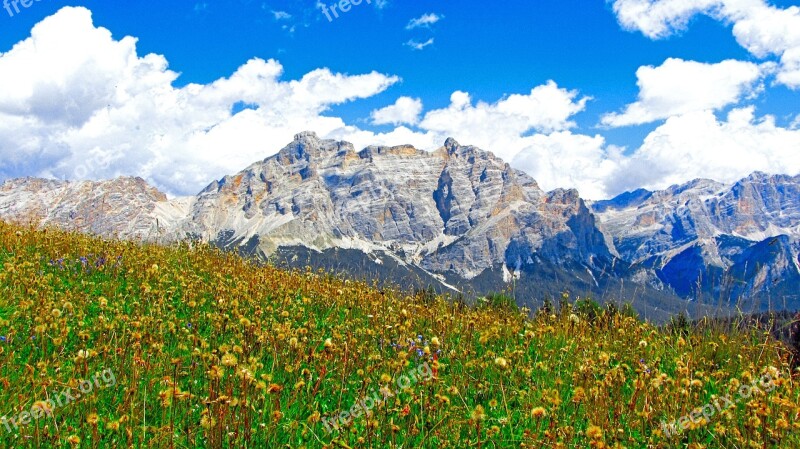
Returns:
(107, 344)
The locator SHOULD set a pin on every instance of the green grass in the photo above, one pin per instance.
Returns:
(208, 350)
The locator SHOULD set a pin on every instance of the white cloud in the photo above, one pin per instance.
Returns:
(78, 93)
(419, 45)
(405, 110)
(660, 18)
(499, 126)
(677, 87)
(71, 95)
(698, 145)
(762, 29)
(426, 20)
(796, 123)
(533, 133)
(281, 15)
(75, 90)
(564, 159)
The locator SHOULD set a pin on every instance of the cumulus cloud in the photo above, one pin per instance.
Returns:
(76, 91)
(565, 159)
(547, 108)
(762, 29)
(534, 133)
(75, 102)
(677, 87)
(405, 110)
(699, 145)
(426, 20)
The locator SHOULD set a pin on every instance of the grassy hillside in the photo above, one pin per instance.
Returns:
(115, 344)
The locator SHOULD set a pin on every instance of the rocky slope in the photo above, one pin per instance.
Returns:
(458, 217)
(458, 210)
(125, 208)
(706, 239)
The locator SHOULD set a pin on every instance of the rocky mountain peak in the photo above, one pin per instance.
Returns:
(451, 145)
(458, 213)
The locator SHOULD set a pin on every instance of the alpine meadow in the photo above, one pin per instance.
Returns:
(381, 224)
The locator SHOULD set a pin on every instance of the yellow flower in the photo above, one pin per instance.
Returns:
(207, 422)
(594, 432)
(538, 412)
(229, 360)
(501, 362)
(479, 414)
(578, 395)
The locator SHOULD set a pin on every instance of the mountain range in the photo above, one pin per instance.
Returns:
(463, 221)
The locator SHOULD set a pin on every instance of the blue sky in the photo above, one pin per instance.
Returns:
(489, 49)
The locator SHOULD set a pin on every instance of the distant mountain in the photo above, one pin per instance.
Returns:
(713, 241)
(463, 220)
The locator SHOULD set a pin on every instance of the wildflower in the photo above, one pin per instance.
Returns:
(229, 360)
(501, 362)
(479, 414)
(2, 338)
(434, 342)
(92, 419)
(574, 319)
(538, 412)
(207, 422)
(578, 395)
(113, 425)
(328, 345)
(44, 406)
(643, 344)
(73, 439)
(594, 432)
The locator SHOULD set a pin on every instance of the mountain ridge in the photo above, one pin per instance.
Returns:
(458, 214)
